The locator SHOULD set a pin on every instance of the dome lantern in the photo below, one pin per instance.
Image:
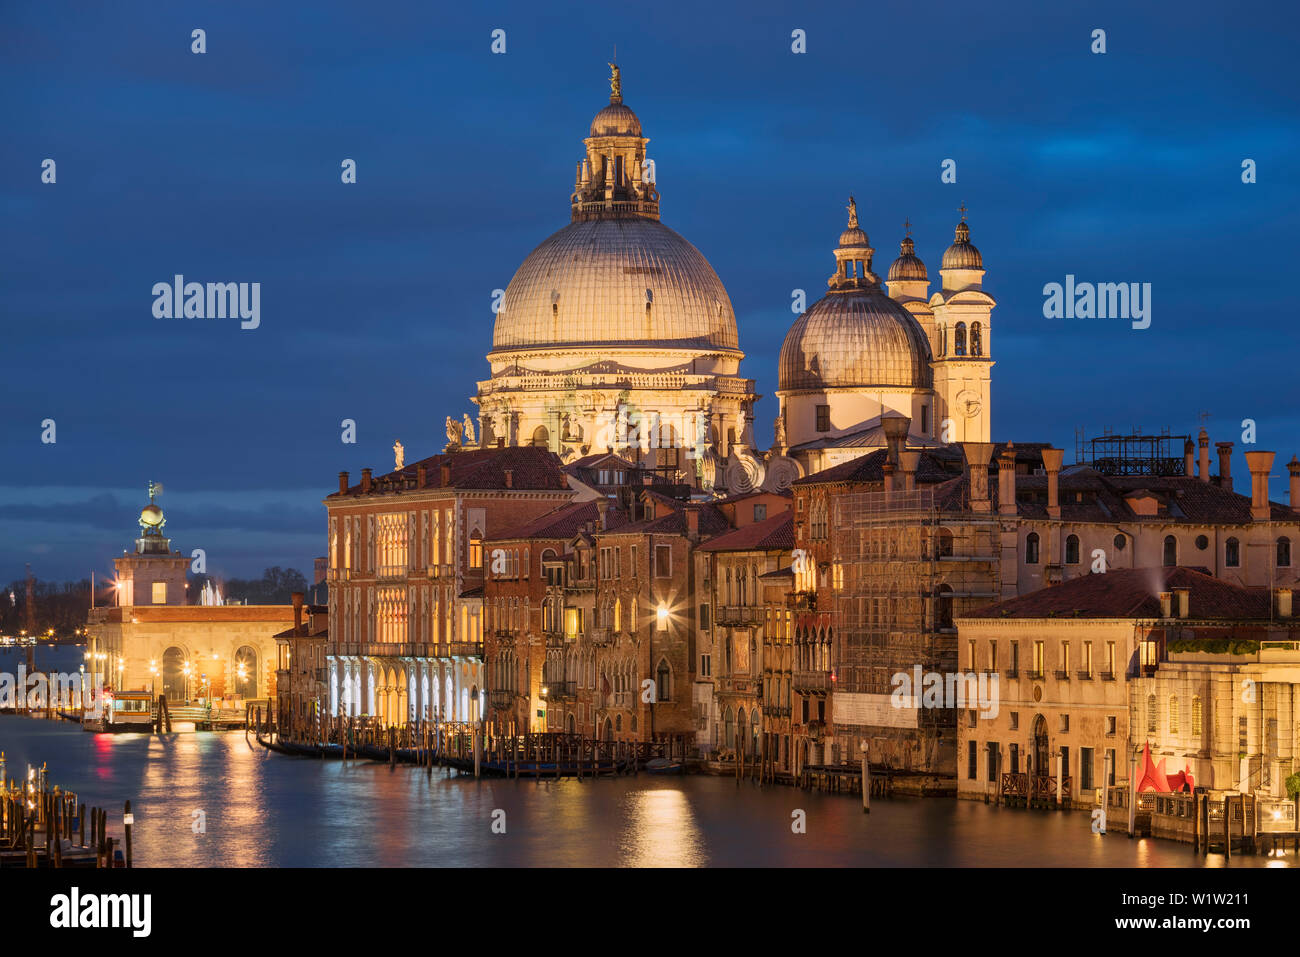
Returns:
(614, 180)
(962, 254)
(853, 256)
(908, 267)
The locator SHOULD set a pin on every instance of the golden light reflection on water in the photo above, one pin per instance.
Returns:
(660, 830)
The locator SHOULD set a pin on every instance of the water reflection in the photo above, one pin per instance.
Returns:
(266, 810)
(659, 830)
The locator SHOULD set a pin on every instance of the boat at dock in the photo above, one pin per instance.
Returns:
(122, 711)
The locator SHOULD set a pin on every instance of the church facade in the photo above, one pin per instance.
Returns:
(616, 335)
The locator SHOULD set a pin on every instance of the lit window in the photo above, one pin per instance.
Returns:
(160, 593)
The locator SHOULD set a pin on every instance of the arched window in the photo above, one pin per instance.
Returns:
(476, 549)
(664, 680)
(541, 437)
(729, 729)
(1031, 548)
(1198, 722)
(943, 613)
(1284, 552)
(976, 339)
(945, 543)
(1072, 550)
(1171, 550)
(246, 672)
(1173, 714)
(1232, 553)
(959, 339)
(1151, 714)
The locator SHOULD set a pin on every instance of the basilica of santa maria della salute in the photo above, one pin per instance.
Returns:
(616, 335)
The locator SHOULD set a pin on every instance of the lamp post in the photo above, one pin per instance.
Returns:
(153, 678)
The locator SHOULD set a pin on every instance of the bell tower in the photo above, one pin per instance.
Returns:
(963, 343)
(153, 574)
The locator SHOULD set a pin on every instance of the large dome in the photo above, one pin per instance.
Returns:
(615, 281)
(859, 339)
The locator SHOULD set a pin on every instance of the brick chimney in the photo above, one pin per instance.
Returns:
(1189, 452)
(910, 461)
(1225, 463)
(1284, 607)
(297, 611)
(895, 427)
(1182, 602)
(421, 475)
(978, 456)
(1166, 604)
(444, 475)
(1007, 481)
(510, 478)
(602, 509)
(692, 522)
(888, 471)
(1294, 468)
(1203, 440)
(343, 483)
(365, 480)
(1052, 459)
(1260, 464)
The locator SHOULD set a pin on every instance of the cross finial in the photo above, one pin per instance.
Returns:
(907, 228)
(962, 210)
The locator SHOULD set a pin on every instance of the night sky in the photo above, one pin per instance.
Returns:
(375, 297)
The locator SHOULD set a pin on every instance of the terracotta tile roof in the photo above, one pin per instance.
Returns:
(532, 469)
(770, 534)
(930, 468)
(1134, 593)
(1109, 498)
(564, 522)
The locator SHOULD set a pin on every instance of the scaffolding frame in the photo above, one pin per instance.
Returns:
(905, 569)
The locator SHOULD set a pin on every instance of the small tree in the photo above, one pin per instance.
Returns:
(1293, 786)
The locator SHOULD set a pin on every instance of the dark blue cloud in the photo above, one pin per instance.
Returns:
(376, 296)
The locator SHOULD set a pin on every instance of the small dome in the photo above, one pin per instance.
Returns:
(855, 339)
(853, 238)
(962, 254)
(908, 265)
(615, 120)
(151, 515)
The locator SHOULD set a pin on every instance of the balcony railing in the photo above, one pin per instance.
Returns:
(501, 699)
(460, 649)
(817, 681)
(600, 636)
(1061, 674)
(1084, 674)
(739, 615)
(1107, 676)
(1013, 673)
(562, 690)
(392, 572)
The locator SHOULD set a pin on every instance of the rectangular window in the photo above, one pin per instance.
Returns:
(991, 760)
(1014, 758)
(663, 561)
(1065, 723)
(704, 617)
(823, 418)
(993, 656)
(970, 662)
(1039, 657)
(1110, 767)
(970, 760)
(760, 513)
(1015, 657)
(1065, 657)
(706, 666)
(1110, 658)
(1085, 769)
(1110, 724)
(159, 593)
(1015, 720)
(1087, 658)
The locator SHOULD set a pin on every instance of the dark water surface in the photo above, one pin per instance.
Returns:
(268, 810)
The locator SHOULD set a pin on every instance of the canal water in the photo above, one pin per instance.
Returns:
(216, 799)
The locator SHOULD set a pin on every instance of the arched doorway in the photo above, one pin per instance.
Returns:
(1041, 762)
(609, 730)
(572, 724)
(173, 673)
(246, 672)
